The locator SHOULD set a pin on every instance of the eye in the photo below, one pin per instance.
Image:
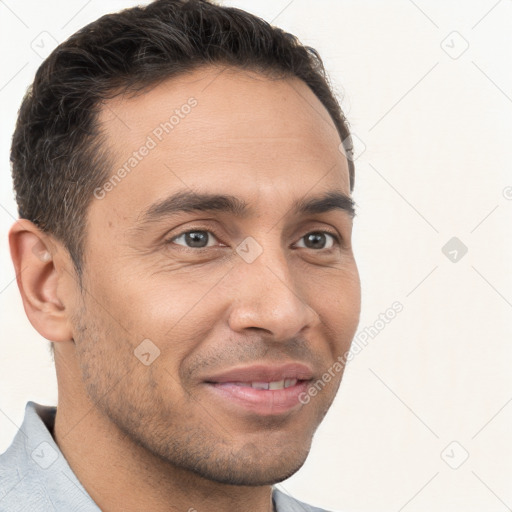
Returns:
(195, 239)
(201, 239)
(319, 240)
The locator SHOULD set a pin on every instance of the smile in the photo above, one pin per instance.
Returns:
(276, 384)
(265, 390)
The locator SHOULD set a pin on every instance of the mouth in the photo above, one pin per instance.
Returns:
(261, 389)
(276, 384)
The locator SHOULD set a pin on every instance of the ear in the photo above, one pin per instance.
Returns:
(34, 256)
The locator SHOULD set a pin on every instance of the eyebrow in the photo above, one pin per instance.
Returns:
(188, 201)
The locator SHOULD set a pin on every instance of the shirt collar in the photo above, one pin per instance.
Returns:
(37, 468)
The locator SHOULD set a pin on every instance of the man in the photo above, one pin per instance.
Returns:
(183, 177)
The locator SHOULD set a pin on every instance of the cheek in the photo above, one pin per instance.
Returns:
(154, 302)
(339, 307)
(174, 310)
(103, 352)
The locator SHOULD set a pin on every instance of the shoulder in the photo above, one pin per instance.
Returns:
(20, 486)
(34, 475)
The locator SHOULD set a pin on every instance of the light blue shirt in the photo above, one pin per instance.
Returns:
(35, 476)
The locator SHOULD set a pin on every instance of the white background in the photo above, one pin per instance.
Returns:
(435, 127)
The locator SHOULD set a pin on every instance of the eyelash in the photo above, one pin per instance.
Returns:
(196, 249)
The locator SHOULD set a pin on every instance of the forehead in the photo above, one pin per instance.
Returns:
(221, 127)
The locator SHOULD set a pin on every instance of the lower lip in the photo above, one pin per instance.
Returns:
(266, 402)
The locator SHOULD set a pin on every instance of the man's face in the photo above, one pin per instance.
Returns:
(224, 318)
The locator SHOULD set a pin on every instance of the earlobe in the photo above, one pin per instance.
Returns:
(34, 257)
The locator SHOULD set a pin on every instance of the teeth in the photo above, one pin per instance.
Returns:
(260, 385)
(277, 384)
(290, 382)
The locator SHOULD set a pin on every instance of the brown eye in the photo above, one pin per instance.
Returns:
(198, 239)
(319, 240)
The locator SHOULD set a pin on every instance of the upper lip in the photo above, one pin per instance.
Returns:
(263, 373)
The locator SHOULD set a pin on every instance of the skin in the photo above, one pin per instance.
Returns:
(155, 430)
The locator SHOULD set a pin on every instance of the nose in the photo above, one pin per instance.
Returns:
(268, 296)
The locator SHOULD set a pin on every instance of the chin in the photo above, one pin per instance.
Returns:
(242, 469)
